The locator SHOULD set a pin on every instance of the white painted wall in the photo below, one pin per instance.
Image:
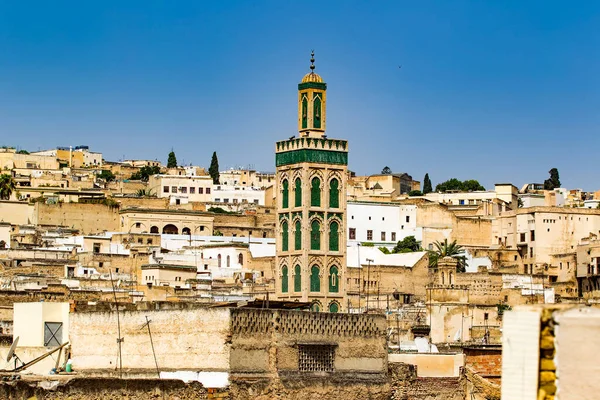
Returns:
(237, 194)
(397, 219)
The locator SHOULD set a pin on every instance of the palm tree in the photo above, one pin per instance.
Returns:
(144, 193)
(445, 249)
(7, 186)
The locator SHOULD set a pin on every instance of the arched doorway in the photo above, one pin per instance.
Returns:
(170, 229)
(186, 231)
(154, 229)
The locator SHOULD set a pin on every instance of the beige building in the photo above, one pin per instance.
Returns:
(10, 159)
(174, 222)
(167, 274)
(73, 157)
(542, 233)
(504, 197)
(246, 178)
(311, 207)
(380, 187)
(181, 189)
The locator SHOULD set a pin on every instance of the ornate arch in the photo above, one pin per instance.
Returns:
(334, 307)
(316, 306)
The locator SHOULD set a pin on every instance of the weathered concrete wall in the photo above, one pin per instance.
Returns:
(104, 389)
(433, 365)
(194, 339)
(87, 218)
(16, 212)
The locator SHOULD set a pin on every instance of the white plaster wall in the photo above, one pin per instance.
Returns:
(381, 217)
(29, 318)
(183, 340)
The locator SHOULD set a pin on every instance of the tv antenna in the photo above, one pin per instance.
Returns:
(147, 324)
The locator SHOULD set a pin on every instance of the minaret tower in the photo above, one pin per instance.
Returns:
(311, 206)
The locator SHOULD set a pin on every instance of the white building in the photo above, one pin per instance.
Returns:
(182, 189)
(246, 177)
(238, 195)
(385, 223)
(505, 192)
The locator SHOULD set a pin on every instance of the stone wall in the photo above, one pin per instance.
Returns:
(87, 218)
(104, 389)
(405, 385)
(261, 225)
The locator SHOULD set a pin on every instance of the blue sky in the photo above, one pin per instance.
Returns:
(499, 91)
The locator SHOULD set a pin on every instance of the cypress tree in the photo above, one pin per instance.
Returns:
(172, 161)
(213, 170)
(427, 184)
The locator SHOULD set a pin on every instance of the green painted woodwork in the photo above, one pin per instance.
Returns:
(334, 281)
(334, 193)
(285, 194)
(315, 192)
(297, 279)
(312, 85)
(315, 235)
(315, 280)
(284, 279)
(298, 193)
(304, 111)
(298, 236)
(334, 236)
(315, 307)
(311, 155)
(333, 307)
(284, 236)
(317, 111)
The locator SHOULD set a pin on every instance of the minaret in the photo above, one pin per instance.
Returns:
(312, 103)
(311, 206)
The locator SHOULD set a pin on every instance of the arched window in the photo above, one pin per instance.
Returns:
(317, 114)
(228, 261)
(298, 193)
(219, 261)
(334, 307)
(285, 194)
(334, 236)
(334, 280)
(334, 193)
(298, 236)
(315, 235)
(284, 279)
(297, 279)
(450, 276)
(186, 231)
(315, 279)
(304, 111)
(315, 307)
(443, 280)
(241, 259)
(284, 236)
(170, 229)
(154, 229)
(315, 192)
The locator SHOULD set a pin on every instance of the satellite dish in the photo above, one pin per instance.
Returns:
(11, 351)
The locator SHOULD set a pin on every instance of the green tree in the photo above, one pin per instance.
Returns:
(7, 186)
(144, 193)
(106, 175)
(455, 184)
(145, 173)
(427, 184)
(445, 249)
(213, 170)
(386, 171)
(172, 160)
(22, 151)
(415, 193)
(407, 245)
(554, 181)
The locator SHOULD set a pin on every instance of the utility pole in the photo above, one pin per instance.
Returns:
(147, 324)
(359, 276)
(119, 338)
(369, 261)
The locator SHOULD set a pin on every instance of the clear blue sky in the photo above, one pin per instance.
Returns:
(499, 91)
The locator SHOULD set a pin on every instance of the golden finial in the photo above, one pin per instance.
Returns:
(312, 61)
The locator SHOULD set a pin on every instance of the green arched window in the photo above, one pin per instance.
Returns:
(315, 192)
(334, 193)
(334, 307)
(298, 236)
(315, 235)
(284, 236)
(285, 194)
(317, 112)
(298, 193)
(304, 111)
(297, 279)
(315, 307)
(334, 280)
(284, 279)
(334, 236)
(315, 280)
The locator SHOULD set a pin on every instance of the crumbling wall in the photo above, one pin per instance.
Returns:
(103, 389)
(405, 385)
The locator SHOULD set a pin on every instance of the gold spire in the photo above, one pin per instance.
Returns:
(311, 76)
